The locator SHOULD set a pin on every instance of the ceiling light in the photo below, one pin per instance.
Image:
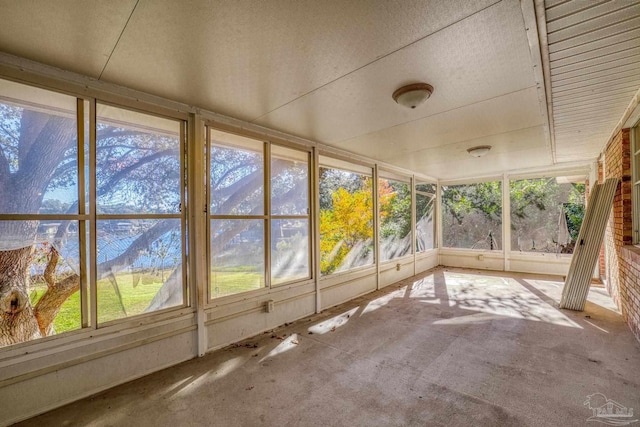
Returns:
(479, 151)
(412, 95)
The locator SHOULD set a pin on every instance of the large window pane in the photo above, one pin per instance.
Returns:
(472, 216)
(39, 272)
(546, 214)
(289, 181)
(289, 250)
(236, 175)
(346, 220)
(425, 203)
(38, 151)
(138, 163)
(139, 267)
(237, 256)
(394, 198)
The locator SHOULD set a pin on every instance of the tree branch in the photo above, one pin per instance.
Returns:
(49, 304)
(133, 252)
(121, 174)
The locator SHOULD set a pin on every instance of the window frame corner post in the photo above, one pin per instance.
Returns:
(376, 225)
(315, 208)
(197, 220)
(506, 222)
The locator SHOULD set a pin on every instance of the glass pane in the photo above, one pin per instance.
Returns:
(138, 163)
(38, 151)
(289, 181)
(39, 266)
(289, 250)
(546, 214)
(346, 220)
(139, 267)
(236, 175)
(237, 256)
(472, 216)
(425, 231)
(394, 198)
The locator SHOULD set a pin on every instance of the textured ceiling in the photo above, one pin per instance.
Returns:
(325, 70)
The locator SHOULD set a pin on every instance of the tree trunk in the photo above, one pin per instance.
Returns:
(17, 317)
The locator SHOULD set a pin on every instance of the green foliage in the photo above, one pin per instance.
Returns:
(472, 215)
(346, 219)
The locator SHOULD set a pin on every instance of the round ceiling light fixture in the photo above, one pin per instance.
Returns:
(412, 95)
(479, 151)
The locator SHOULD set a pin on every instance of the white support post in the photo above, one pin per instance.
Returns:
(506, 222)
(197, 211)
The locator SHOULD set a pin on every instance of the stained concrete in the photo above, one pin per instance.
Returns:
(450, 347)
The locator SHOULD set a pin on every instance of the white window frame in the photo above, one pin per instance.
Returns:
(266, 215)
(335, 163)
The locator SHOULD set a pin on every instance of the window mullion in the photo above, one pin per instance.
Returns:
(93, 249)
(267, 211)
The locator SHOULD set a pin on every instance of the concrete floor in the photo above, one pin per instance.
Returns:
(449, 347)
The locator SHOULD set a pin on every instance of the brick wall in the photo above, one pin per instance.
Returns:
(623, 261)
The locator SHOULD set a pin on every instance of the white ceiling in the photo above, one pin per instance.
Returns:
(594, 52)
(325, 70)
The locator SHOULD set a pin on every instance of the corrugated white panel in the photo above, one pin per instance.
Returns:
(585, 256)
(595, 71)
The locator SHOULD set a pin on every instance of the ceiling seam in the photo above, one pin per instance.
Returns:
(119, 37)
(540, 51)
(374, 61)
(478, 138)
(437, 114)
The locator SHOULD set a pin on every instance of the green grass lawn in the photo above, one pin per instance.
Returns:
(137, 298)
(225, 282)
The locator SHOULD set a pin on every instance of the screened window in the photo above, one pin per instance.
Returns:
(394, 199)
(290, 250)
(242, 220)
(346, 220)
(47, 192)
(425, 225)
(546, 214)
(139, 231)
(472, 216)
(237, 214)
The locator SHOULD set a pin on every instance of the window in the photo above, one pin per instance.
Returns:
(394, 199)
(472, 216)
(48, 192)
(241, 220)
(425, 226)
(138, 205)
(290, 250)
(546, 214)
(346, 217)
(635, 150)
